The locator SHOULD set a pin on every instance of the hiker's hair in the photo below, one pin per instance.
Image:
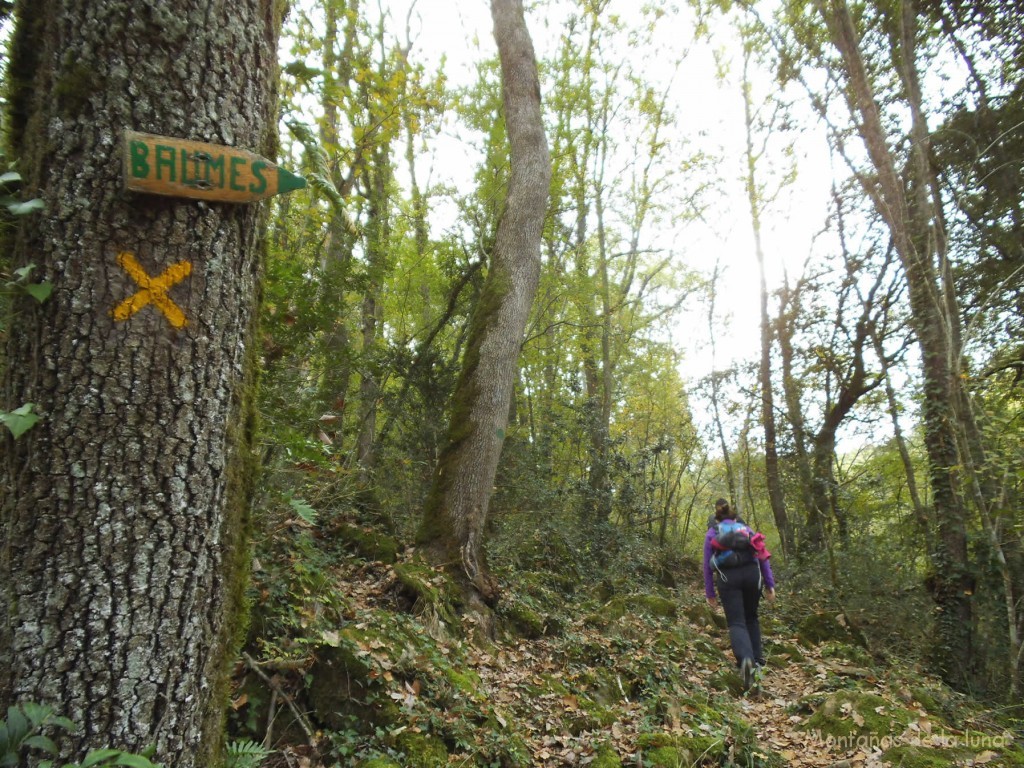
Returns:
(722, 509)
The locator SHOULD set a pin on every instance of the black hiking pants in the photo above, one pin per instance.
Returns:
(739, 591)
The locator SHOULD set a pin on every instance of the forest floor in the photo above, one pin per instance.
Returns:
(637, 681)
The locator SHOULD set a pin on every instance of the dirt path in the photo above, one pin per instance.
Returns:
(511, 676)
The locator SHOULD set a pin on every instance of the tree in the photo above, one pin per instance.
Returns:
(912, 212)
(124, 510)
(456, 510)
(757, 198)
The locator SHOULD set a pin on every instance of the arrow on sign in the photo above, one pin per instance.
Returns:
(160, 165)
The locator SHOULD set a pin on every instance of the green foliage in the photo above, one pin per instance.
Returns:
(244, 754)
(20, 420)
(27, 729)
(303, 510)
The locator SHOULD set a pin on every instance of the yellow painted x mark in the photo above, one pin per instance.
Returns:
(154, 290)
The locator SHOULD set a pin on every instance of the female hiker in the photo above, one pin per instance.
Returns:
(736, 561)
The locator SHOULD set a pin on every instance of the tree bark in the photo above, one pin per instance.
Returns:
(913, 221)
(456, 509)
(771, 453)
(124, 515)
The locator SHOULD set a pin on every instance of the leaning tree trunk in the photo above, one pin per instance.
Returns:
(124, 512)
(456, 509)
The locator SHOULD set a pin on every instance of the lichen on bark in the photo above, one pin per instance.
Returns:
(123, 529)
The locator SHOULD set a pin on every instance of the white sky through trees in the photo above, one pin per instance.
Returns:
(709, 112)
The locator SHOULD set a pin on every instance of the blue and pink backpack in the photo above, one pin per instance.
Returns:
(736, 543)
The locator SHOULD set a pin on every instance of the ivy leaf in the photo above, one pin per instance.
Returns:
(11, 177)
(99, 757)
(25, 208)
(45, 743)
(133, 761)
(38, 291)
(19, 421)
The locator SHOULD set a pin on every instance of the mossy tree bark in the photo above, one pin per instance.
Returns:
(124, 510)
(915, 220)
(456, 509)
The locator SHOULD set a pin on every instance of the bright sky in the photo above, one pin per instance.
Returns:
(710, 114)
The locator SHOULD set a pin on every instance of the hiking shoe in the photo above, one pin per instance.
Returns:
(747, 673)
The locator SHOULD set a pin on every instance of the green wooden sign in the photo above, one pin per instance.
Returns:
(159, 165)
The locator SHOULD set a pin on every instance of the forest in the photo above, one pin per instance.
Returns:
(371, 371)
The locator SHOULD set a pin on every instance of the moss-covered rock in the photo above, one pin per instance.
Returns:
(822, 627)
(907, 756)
(344, 683)
(606, 757)
(379, 762)
(466, 682)
(367, 542)
(422, 750)
(429, 591)
(703, 615)
(655, 605)
(668, 757)
(707, 652)
(852, 654)
(779, 653)
(851, 714)
(521, 620)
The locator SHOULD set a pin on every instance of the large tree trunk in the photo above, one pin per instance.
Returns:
(456, 509)
(125, 509)
(914, 223)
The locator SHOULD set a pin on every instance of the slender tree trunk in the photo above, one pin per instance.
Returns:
(716, 378)
(771, 453)
(337, 258)
(456, 510)
(124, 517)
(789, 309)
(920, 511)
(913, 227)
(379, 233)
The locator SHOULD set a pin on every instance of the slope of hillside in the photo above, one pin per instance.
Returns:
(374, 666)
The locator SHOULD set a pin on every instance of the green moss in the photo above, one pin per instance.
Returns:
(907, 756)
(846, 652)
(521, 620)
(241, 475)
(422, 750)
(345, 686)
(822, 627)
(370, 544)
(707, 652)
(75, 87)
(646, 741)
(379, 762)
(668, 757)
(927, 700)
(654, 605)
(703, 615)
(849, 714)
(429, 590)
(606, 757)
(466, 682)
(779, 654)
